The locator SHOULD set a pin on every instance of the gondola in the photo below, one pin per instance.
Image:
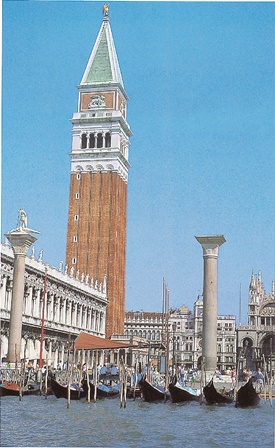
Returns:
(247, 395)
(180, 394)
(152, 393)
(103, 391)
(212, 396)
(61, 391)
(12, 389)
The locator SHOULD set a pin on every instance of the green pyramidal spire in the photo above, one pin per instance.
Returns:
(103, 66)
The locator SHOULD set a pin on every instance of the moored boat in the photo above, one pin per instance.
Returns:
(180, 394)
(152, 393)
(103, 391)
(247, 395)
(61, 391)
(213, 396)
(12, 389)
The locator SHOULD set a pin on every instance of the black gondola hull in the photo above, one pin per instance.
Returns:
(247, 395)
(179, 395)
(150, 393)
(212, 396)
(61, 391)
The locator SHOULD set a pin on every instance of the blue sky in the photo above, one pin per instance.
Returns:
(200, 77)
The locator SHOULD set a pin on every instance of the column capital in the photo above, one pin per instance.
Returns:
(20, 242)
(211, 244)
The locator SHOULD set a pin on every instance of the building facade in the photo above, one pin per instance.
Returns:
(226, 338)
(96, 237)
(181, 330)
(66, 304)
(256, 339)
(148, 326)
(184, 335)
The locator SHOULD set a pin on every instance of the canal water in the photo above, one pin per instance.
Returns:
(40, 422)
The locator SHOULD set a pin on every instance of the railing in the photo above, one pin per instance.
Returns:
(257, 327)
(121, 337)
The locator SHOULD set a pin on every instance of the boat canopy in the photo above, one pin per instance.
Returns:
(88, 341)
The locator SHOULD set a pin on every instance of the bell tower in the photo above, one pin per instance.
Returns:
(96, 237)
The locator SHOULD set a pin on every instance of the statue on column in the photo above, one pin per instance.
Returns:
(22, 219)
(22, 223)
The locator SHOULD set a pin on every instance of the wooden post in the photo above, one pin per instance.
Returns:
(80, 372)
(43, 319)
(167, 297)
(236, 381)
(125, 387)
(265, 378)
(95, 375)
(46, 376)
(69, 381)
(21, 381)
(135, 381)
(201, 382)
(40, 380)
(88, 384)
(270, 379)
(16, 365)
(122, 384)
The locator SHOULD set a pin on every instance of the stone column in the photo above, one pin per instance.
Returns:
(20, 241)
(210, 246)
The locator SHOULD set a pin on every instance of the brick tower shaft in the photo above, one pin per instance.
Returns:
(96, 238)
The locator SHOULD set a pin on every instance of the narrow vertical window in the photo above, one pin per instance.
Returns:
(83, 141)
(91, 140)
(77, 196)
(108, 140)
(74, 261)
(76, 217)
(99, 140)
(75, 239)
(78, 176)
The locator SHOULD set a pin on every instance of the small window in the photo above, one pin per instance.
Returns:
(74, 261)
(78, 176)
(75, 239)
(91, 140)
(84, 141)
(99, 140)
(108, 140)
(77, 196)
(76, 217)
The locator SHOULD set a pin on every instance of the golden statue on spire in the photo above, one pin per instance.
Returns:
(105, 10)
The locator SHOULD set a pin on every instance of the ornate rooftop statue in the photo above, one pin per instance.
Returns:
(106, 10)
